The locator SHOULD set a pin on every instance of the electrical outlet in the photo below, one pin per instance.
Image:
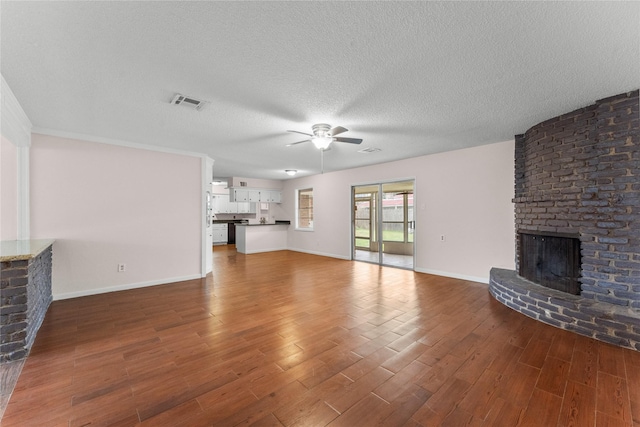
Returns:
(122, 267)
(442, 239)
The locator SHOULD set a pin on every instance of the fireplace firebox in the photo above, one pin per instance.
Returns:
(552, 261)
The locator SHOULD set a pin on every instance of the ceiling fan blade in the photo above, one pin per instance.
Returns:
(299, 142)
(349, 140)
(337, 130)
(304, 133)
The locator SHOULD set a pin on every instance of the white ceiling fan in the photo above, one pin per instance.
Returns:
(322, 137)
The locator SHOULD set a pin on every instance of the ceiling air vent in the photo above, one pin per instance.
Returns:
(369, 150)
(188, 101)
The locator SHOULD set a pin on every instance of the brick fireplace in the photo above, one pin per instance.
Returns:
(578, 176)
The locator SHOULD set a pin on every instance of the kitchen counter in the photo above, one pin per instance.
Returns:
(254, 238)
(269, 223)
(17, 250)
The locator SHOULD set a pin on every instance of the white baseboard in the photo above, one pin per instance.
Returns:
(126, 287)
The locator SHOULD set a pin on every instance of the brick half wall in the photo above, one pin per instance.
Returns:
(24, 299)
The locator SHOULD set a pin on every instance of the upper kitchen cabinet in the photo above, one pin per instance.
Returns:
(238, 195)
(222, 205)
(244, 195)
(246, 207)
(271, 196)
(255, 195)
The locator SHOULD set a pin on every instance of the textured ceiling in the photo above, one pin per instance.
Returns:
(410, 78)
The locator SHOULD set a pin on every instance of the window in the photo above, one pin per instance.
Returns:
(304, 209)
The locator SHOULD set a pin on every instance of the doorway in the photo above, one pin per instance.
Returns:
(383, 223)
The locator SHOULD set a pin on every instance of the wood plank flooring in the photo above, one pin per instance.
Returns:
(291, 339)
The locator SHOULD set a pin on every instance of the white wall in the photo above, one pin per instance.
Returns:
(8, 190)
(465, 195)
(107, 204)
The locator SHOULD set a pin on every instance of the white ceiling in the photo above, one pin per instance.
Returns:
(410, 78)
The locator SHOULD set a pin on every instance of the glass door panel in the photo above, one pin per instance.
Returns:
(365, 224)
(363, 221)
(397, 224)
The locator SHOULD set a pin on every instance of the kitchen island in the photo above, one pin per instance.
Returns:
(254, 238)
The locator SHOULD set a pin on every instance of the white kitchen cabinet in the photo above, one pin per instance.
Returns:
(216, 204)
(243, 207)
(222, 205)
(255, 195)
(220, 233)
(274, 196)
(246, 207)
(244, 195)
(239, 195)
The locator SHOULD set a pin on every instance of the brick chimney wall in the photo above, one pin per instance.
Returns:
(579, 174)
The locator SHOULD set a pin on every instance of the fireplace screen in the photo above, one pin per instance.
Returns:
(551, 261)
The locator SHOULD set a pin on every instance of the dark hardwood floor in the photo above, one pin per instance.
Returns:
(284, 339)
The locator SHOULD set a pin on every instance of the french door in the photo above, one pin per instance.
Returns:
(383, 223)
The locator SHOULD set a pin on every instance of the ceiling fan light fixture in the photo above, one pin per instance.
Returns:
(321, 142)
(291, 172)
